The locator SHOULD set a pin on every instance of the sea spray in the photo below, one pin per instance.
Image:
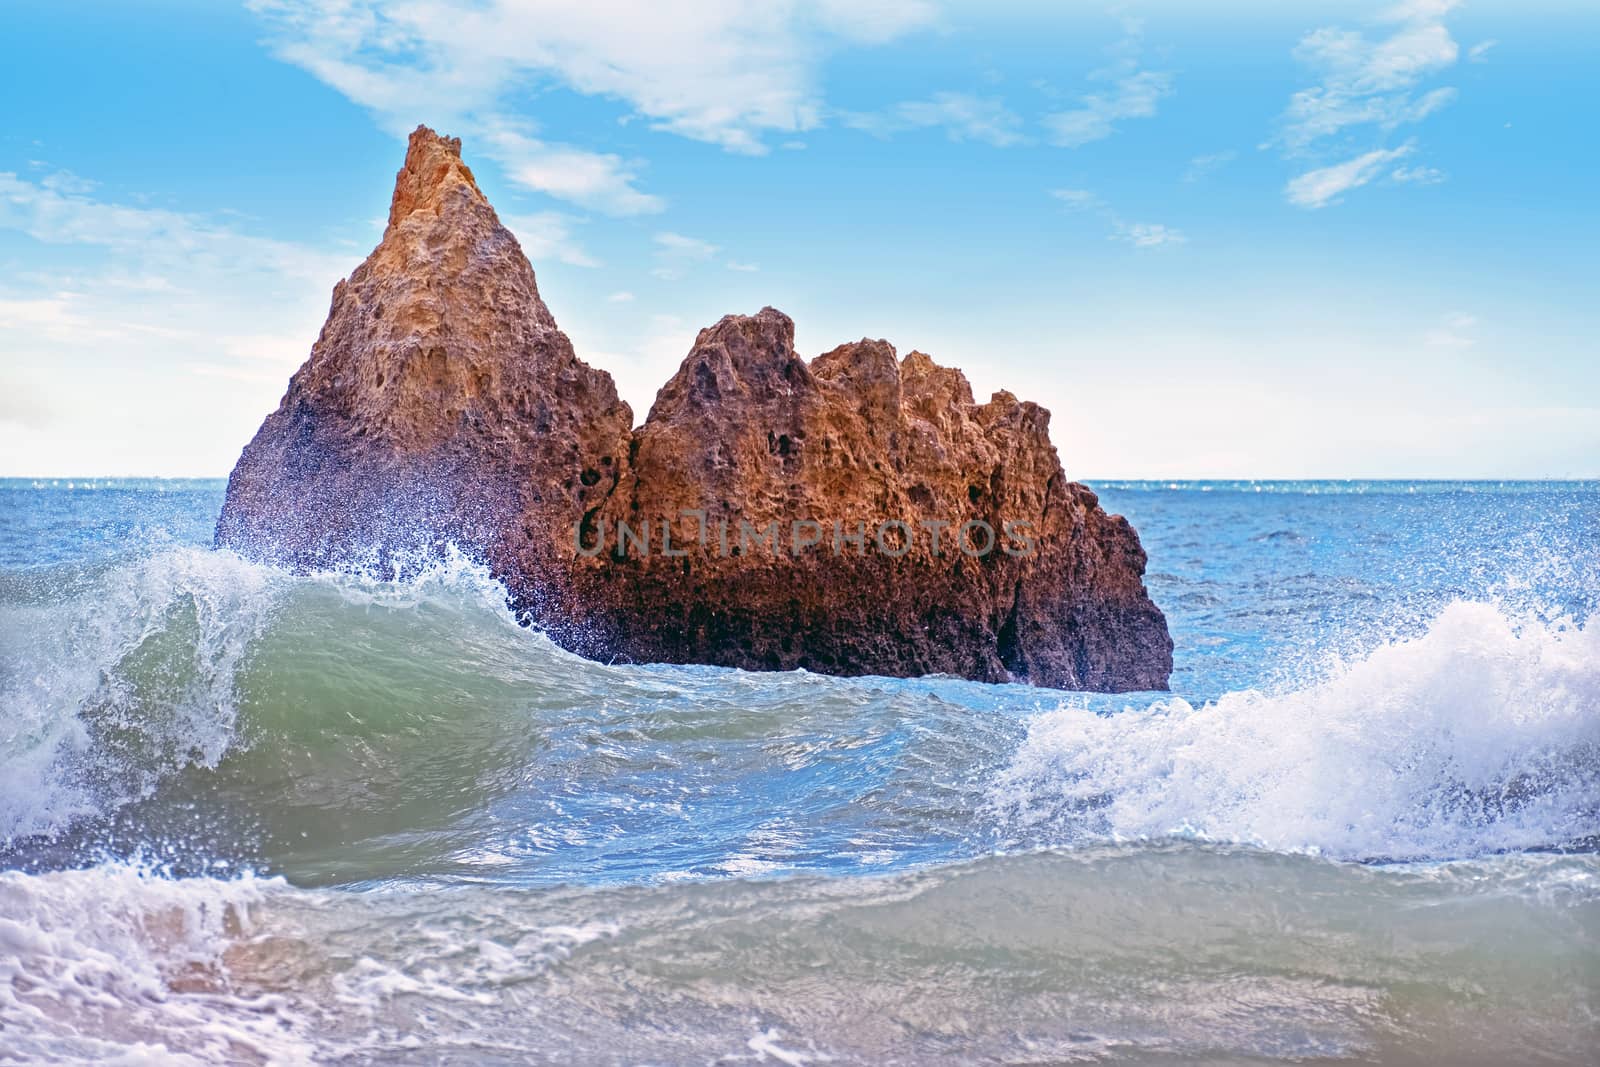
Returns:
(472, 844)
(116, 674)
(1481, 735)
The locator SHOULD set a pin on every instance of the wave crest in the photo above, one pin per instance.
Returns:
(119, 676)
(1479, 736)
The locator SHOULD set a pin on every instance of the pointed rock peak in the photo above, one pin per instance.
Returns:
(767, 328)
(761, 344)
(933, 388)
(433, 168)
(441, 404)
(859, 361)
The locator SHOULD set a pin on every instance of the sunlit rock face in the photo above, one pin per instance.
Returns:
(855, 514)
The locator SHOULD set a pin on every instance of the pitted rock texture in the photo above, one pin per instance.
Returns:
(440, 404)
(770, 513)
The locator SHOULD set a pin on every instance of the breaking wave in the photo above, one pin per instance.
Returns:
(202, 675)
(1481, 735)
(248, 816)
(188, 705)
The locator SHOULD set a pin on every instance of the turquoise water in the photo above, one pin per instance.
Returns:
(252, 816)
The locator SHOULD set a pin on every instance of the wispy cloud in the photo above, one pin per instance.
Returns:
(1201, 167)
(1131, 92)
(176, 330)
(1138, 234)
(743, 268)
(963, 117)
(58, 209)
(1418, 175)
(691, 247)
(599, 180)
(426, 61)
(1078, 199)
(676, 253)
(548, 235)
(1365, 82)
(1476, 53)
(721, 72)
(1323, 186)
(875, 21)
(1149, 234)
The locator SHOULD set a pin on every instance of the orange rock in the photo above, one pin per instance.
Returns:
(769, 514)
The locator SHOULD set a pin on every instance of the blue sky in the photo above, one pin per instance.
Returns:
(1221, 240)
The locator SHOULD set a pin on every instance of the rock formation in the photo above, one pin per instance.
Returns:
(857, 514)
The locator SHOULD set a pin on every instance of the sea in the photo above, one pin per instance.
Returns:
(252, 817)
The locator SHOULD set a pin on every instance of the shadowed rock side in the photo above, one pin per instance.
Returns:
(441, 403)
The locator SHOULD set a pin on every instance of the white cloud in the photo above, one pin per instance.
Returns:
(1353, 64)
(162, 344)
(721, 71)
(399, 64)
(1148, 234)
(57, 210)
(687, 247)
(64, 182)
(963, 116)
(50, 315)
(744, 268)
(1365, 81)
(237, 373)
(1131, 93)
(875, 21)
(280, 352)
(1202, 166)
(1138, 234)
(622, 297)
(1133, 97)
(547, 235)
(1076, 199)
(598, 180)
(675, 254)
(1418, 175)
(1476, 53)
(1321, 187)
(1316, 115)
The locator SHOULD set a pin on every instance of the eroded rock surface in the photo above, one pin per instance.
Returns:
(857, 514)
(441, 402)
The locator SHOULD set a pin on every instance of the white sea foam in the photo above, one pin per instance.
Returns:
(113, 964)
(1058, 957)
(115, 675)
(148, 648)
(1481, 735)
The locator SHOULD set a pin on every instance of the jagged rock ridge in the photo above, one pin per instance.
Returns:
(442, 403)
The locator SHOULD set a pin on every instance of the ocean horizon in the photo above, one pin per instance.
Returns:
(659, 611)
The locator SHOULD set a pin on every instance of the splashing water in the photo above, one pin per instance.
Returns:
(1363, 827)
(1479, 736)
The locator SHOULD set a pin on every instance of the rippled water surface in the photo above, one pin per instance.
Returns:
(252, 816)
